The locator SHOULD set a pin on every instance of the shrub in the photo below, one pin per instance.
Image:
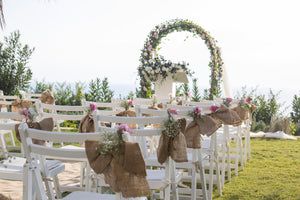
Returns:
(259, 126)
(297, 127)
(99, 91)
(40, 87)
(295, 114)
(280, 124)
(195, 90)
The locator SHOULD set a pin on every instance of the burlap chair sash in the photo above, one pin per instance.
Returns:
(205, 126)
(174, 147)
(87, 124)
(227, 116)
(20, 104)
(125, 173)
(128, 113)
(46, 124)
(242, 112)
(47, 97)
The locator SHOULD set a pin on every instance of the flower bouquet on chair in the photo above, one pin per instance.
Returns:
(121, 163)
(172, 141)
(46, 124)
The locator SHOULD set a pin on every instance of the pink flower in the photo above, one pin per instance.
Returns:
(187, 94)
(25, 111)
(203, 36)
(124, 128)
(130, 102)
(248, 100)
(156, 36)
(170, 95)
(213, 108)
(145, 89)
(154, 96)
(207, 43)
(242, 99)
(173, 111)
(149, 48)
(93, 106)
(48, 90)
(229, 100)
(178, 99)
(197, 110)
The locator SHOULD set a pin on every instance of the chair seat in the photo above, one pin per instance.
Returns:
(89, 196)
(12, 168)
(155, 177)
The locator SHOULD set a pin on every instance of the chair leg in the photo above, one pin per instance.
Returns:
(172, 178)
(56, 187)
(27, 183)
(202, 175)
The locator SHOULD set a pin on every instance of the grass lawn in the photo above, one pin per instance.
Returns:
(272, 173)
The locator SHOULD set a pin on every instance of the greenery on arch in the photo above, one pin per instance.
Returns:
(152, 65)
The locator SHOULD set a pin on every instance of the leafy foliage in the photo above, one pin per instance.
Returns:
(41, 86)
(196, 93)
(99, 91)
(15, 73)
(295, 114)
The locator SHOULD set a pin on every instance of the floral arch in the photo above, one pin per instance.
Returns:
(153, 65)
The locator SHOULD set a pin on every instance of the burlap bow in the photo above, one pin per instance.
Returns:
(47, 97)
(205, 126)
(227, 116)
(128, 113)
(173, 146)
(126, 174)
(242, 112)
(87, 124)
(46, 124)
(20, 104)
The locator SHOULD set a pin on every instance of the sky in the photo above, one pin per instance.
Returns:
(80, 40)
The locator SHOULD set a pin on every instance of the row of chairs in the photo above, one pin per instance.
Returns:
(113, 111)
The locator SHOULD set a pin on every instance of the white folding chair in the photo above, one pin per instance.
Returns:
(158, 179)
(33, 181)
(7, 127)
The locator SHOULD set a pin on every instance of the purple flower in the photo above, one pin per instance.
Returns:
(213, 108)
(93, 106)
(130, 102)
(25, 111)
(198, 111)
(248, 100)
(124, 128)
(172, 111)
(229, 100)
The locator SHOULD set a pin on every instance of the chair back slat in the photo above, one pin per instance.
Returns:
(63, 107)
(59, 153)
(65, 137)
(11, 115)
(61, 117)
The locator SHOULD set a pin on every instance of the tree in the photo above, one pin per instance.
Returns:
(99, 91)
(15, 75)
(196, 93)
(295, 114)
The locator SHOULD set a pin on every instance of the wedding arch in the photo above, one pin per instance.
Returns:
(153, 65)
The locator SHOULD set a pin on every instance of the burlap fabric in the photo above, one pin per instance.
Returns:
(87, 124)
(160, 105)
(252, 109)
(128, 113)
(47, 97)
(242, 112)
(179, 103)
(46, 124)
(126, 174)
(227, 116)
(20, 104)
(205, 126)
(173, 146)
